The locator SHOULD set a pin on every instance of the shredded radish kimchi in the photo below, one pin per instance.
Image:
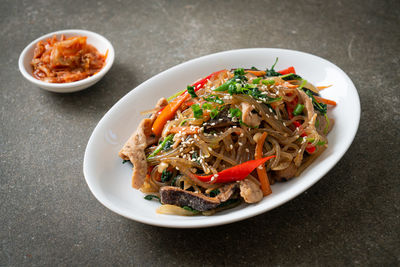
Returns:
(66, 60)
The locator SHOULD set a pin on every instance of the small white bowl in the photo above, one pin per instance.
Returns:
(98, 41)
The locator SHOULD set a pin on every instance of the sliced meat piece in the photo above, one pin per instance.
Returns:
(308, 106)
(228, 191)
(133, 149)
(150, 138)
(322, 124)
(249, 118)
(222, 120)
(250, 192)
(179, 197)
(285, 174)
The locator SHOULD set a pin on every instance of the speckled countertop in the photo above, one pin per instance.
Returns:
(48, 216)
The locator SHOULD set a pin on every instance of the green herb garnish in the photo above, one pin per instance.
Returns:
(190, 209)
(271, 72)
(239, 71)
(214, 193)
(321, 107)
(195, 157)
(235, 112)
(166, 176)
(151, 197)
(190, 90)
(256, 80)
(165, 145)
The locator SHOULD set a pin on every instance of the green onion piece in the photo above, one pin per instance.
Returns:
(214, 98)
(175, 95)
(207, 106)
(162, 145)
(214, 113)
(183, 122)
(298, 109)
(224, 87)
(253, 127)
(327, 124)
(256, 80)
(321, 143)
(268, 82)
(286, 75)
(303, 83)
(197, 111)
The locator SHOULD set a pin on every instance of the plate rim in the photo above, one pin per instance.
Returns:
(255, 209)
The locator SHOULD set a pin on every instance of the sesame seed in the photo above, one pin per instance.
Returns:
(247, 150)
(240, 144)
(209, 148)
(231, 146)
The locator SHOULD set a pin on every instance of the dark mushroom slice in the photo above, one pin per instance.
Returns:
(222, 120)
(179, 197)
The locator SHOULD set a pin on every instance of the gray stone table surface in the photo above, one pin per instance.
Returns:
(48, 215)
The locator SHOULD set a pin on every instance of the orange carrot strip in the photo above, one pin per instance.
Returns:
(289, 85)
(261, 172)
(168, 113)
(325, 101)
(184, 129)
(256, 72)
(323, 87)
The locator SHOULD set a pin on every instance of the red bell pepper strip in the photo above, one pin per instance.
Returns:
(236, 173)
(199, 84)
(287, 71)
(168, 112)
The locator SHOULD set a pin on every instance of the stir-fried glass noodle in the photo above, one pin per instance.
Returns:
(226, 139)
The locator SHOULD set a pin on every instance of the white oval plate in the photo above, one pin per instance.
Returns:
(110, 180)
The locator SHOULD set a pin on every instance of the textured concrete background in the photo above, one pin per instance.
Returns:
(48, 216)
